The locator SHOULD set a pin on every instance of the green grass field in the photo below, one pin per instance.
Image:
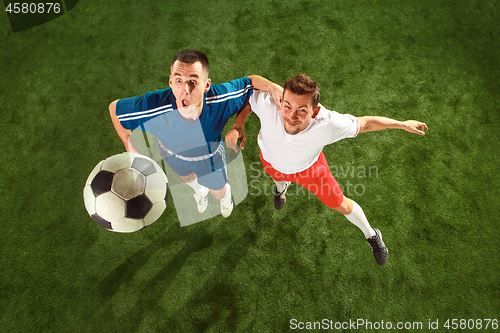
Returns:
(433, 197)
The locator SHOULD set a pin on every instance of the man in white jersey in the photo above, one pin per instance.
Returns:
(292, 136)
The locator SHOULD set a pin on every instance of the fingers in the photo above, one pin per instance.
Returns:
(419, 131)
(231, 139)
(242, 144)
(420, 127)
(232, 146)
(277, 101)
(277, 94)
(416, 127)
(279, 98)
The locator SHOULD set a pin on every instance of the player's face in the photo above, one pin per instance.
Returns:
(188, 83)
(297, 112)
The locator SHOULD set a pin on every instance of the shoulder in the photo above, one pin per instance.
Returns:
(148, 105)
(261, 98)
(237, 84)
(340, 123)
(234, 88)
(161, 96)
(331, 115)
(150, 98)
(261, 101)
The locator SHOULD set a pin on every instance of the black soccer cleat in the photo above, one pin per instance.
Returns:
(380, 252)
(279, 199)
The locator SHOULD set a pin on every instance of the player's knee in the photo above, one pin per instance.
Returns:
(219, 194)
(189, 178)
(345, 207)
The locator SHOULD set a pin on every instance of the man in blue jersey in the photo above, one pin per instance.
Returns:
(188, 119)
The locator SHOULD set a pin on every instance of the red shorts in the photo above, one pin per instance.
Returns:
(318, 179)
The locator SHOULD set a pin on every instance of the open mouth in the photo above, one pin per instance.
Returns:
(185, 103)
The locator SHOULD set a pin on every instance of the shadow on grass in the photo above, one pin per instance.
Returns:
(129, 268)
(217, 299)
(151, 293)
(214, 301)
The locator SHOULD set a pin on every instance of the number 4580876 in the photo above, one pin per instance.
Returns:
(478, 324)
(33, 8)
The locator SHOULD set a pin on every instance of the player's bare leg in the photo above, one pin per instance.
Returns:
(354, 213)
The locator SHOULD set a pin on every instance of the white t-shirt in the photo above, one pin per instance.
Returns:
(295, 153)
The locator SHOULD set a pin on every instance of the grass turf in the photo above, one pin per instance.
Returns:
(433, 197)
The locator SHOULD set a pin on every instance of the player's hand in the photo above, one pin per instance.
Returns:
(232, 138)
(277, 93)
(263, 84)
(414, 126)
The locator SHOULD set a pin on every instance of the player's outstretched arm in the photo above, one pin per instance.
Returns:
(371, 124)
(238, 130)
(261, 83)
(123, 133)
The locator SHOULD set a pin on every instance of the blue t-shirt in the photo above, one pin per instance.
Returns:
(156, 113)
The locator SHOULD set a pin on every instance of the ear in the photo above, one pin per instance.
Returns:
(207, 87)
(316, 110)
(170, 81)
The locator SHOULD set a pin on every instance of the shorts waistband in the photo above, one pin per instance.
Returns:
(220, 149)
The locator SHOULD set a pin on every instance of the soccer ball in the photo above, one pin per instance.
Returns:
(126, 192)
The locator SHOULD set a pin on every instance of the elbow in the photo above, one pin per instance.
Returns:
(365, 126)
(112, 107)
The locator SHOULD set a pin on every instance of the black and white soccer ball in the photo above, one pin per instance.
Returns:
(126, 192)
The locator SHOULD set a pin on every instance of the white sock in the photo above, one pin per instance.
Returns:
(228, 192)
(198, 189)
(282, 185)
(358, 218)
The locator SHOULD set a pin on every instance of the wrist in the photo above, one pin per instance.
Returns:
(239, 128)
(404, 125)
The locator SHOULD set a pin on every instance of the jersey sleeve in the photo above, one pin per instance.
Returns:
(135, 111)
(343, 126)
(223, 101)
(230, 97)
(261, 102)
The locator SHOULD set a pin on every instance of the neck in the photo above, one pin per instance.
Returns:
(191, 112)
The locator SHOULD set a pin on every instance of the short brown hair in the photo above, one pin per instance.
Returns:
(302, 84)
(192, 56)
